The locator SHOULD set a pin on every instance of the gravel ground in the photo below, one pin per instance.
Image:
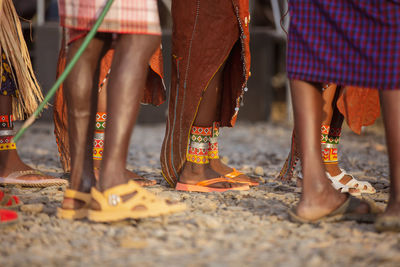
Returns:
(219, 229)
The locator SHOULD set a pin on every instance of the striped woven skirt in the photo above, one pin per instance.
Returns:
(346, 42)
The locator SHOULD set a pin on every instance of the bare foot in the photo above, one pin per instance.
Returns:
(10, 162)
(194, 173)
(316, 205)
(222, 169)
(392, 209)
(139, 179)
(131, 176)
(72, 204)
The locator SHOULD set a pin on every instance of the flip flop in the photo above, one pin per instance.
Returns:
(15, 178)
(8, 217)
(387, 224)
(141, 204)
(9, 202)
(75, 214)
(346, 211)
(204, 187)
(234, 176)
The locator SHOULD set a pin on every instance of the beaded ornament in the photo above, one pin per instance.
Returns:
(213, 143)
(198, 146)
(6, 121)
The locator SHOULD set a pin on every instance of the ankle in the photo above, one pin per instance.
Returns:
(8, 149)
(332, 168)
(194, 168)
(197, 151)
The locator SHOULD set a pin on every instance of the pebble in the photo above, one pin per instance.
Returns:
(259, 171)
(33, 208)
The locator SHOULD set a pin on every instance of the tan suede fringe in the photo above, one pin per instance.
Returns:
(13, 45)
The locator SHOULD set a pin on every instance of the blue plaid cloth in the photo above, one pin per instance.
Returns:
(347, 42)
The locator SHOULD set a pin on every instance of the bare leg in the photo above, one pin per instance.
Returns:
(208, 113)
(391, 113)
(102, 107)
(125, 91)
(327, 111)
(329, 99)
(81, 95)
(330, 117)
(318, 197)
(9, 159)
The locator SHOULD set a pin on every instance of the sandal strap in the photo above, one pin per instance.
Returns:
(214, 181)
(18, 174)
(111, 198)
(74, 194)
(235, 173)
(343, 188)
(337, 177)
(363, 183)
(6, 198)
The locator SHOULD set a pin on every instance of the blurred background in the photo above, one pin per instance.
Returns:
(268, 85)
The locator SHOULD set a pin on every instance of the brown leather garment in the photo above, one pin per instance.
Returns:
(205, 34)
(154, 94)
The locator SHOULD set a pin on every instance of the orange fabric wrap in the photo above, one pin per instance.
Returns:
(360, 106)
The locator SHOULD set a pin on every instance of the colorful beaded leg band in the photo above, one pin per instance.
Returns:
(324, 133)
(6, 121)
(198, 146)
(101, 118)
(6, 142)
(98, 153)
(98, 145)
(213, 143)
(329, 153)
(7, 133)
(334, 135)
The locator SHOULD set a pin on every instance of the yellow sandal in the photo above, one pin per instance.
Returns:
(113, 208)
(75, 214)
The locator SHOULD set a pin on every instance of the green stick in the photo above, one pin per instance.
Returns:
(64, 75)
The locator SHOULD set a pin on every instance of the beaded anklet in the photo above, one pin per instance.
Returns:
(213, 143)
(101, 118)
(6, 142)
(334, 135)
(98, 145)
(329, 144)
(98, 140)
(6, 121)
(324, 133)
(198, 147)
(329, 153)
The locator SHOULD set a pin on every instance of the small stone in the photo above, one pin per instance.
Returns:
(135, 244)
(225, 160)
(262, 180)
(33, 208)
(259, 171)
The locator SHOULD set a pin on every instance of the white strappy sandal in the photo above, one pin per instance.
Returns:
(361, 186)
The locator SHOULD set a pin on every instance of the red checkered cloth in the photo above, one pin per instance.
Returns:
(345, 42)
(124, 16)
